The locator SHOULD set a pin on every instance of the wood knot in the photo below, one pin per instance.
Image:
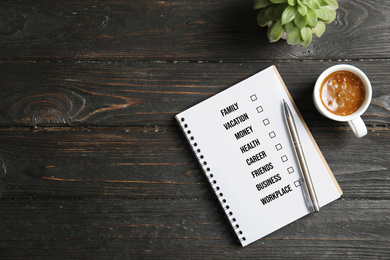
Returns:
(47, 115)
(54, 107)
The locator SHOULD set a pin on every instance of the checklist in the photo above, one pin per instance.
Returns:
(242, 143)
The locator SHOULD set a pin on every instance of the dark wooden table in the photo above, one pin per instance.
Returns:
(94, 166)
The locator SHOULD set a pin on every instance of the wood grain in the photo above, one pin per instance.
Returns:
(103, 228)
(147, 94)
(140, 191)
(178, 30)
(141, 163)
(94, 166)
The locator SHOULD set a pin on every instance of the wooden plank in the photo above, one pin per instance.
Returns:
(112, 227)
(93, 165)
(140, 163)
(148, 94)
(178, 30)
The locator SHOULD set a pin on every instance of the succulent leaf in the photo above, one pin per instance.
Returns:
(275, 31)
(302, 9)
(312, 17)
(297, 19)
(323, 2)
(289, 27)
(278, 1)
(305, 32)
(307, 42)
(279, 11)
(266, 15)
(319, 29)
(333, 4)
(289, 14)
(312, 4)
(294, 36)
(300, 20)
(293, 33)
(326, 13)
(258, 4)
(292, 2)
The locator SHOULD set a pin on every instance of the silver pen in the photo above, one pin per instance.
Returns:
(307, 184)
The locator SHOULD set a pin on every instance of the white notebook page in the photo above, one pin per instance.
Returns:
(240, 138)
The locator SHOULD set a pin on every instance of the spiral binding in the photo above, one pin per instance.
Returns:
(212, 180)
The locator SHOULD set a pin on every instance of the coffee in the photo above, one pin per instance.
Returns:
(342, 93)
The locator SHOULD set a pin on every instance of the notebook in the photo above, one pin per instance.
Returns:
(242, 143)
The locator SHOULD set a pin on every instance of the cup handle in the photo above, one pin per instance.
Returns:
(358, 127)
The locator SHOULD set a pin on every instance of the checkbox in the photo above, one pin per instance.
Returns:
(278, 147)
(272, 134)
(284, 158)
(297, 183)
(266, 122)
(259, 109)
(253, 97)
(290, 170)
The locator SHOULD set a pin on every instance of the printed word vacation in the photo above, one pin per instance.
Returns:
(236, 121)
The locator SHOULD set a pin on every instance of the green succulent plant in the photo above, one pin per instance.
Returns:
(297, 19)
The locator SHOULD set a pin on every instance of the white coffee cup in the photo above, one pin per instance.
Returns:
(354, 120)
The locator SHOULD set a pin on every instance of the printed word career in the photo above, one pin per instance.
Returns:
(255, 158)
(229, 109)
(277, 194)
(247, 147)
(236, 121)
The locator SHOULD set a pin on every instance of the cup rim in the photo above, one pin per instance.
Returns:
(340, 67)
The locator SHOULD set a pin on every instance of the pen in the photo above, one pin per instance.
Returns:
(308, 187)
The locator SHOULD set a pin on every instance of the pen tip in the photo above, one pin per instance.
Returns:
(287, 110)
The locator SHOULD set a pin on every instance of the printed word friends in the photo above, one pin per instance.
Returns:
(263, 169)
